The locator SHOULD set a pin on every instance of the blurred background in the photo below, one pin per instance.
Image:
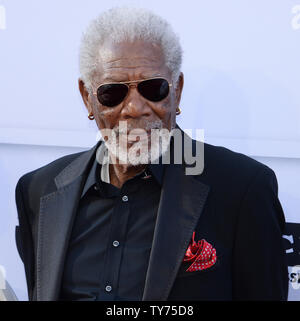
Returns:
(242, 77)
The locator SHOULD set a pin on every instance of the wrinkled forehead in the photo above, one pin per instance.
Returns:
(128, 60)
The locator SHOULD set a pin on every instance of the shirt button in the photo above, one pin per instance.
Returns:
(116, 243)
(125, 198)
(96, 188)
(108, 288)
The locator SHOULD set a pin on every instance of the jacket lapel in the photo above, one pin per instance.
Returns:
(57, 212)
(182, 202)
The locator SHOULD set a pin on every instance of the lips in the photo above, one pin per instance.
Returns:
(135, 135)
(139, 138)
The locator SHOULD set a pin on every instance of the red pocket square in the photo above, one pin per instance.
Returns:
(201, 254)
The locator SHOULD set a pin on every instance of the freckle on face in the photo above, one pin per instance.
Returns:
(126, 62)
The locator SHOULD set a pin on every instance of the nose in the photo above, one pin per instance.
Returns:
(135, 106)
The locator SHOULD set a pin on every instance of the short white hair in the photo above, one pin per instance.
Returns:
(128, 24)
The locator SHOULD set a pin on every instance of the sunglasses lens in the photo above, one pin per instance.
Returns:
(111, 95)
(154, 89)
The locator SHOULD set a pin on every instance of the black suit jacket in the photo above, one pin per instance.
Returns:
(232, 204)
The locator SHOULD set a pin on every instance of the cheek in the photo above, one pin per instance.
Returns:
(165, 110)
(169, 114)
(106, 118)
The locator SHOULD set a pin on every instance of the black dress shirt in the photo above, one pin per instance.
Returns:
(112, 235)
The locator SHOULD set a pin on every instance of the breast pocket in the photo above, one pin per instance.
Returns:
(185, 265)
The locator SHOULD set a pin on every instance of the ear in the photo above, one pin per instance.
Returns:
(178, 89)
(84, 94)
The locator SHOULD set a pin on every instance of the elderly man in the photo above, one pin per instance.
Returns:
(117, 222)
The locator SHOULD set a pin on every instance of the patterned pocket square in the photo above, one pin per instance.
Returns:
(201, 254)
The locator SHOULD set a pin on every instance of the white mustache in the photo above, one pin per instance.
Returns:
(157, 124)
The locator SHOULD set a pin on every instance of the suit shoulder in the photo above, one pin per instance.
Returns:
(222, 160)
(33, 184)
(49, 170)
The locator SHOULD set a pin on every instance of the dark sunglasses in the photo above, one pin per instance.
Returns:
(153, 89)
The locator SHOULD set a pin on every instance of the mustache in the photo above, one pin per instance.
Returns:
(119, 130)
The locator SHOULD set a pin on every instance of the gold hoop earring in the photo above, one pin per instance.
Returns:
(91, 116)
(178, 111)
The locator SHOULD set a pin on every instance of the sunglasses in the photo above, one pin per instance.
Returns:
(153, 89)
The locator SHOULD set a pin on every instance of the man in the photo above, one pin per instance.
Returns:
(118, 223)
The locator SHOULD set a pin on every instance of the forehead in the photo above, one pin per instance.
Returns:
(127, 61)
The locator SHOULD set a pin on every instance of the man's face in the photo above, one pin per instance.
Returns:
(128, 62)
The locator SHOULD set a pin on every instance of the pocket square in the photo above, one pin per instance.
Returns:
(201, 254)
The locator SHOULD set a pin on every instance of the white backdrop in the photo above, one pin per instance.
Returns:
(242, 76)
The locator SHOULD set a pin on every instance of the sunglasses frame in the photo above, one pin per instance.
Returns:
(131, 83)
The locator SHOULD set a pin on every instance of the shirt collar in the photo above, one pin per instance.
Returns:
(157, 170)
(92, 177)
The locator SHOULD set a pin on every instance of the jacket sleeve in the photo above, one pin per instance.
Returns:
(23, 237)
(259, 261)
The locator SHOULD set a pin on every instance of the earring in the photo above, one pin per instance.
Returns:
(178, 111)
(91, 116)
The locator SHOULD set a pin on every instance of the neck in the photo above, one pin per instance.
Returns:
(120, 173)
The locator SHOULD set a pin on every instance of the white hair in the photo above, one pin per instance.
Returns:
(128, 24)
